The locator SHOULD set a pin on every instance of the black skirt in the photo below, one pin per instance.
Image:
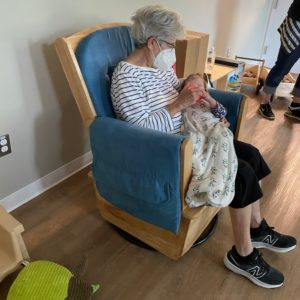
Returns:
(251, 169)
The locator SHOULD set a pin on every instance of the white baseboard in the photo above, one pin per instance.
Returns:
(41, 185)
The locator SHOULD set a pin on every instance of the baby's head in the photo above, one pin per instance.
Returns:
(195, 80)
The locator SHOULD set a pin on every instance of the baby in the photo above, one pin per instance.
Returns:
(205, 101)
(214, 160)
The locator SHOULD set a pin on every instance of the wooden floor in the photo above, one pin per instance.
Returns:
(63, 224)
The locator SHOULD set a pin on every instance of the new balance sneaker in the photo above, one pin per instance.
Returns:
(266, 111)
(293, 112)
(255, 268)
(266, 237)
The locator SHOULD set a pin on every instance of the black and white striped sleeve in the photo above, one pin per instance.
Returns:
(290, 34)
(131, 104)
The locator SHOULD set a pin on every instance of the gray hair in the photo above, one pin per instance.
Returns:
(156, 21)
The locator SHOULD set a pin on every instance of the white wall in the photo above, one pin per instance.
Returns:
(235, 24)
(37, 108)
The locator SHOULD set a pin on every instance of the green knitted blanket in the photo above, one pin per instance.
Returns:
(49, 281)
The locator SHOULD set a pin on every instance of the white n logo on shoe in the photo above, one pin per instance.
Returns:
(255, 271)
(270, 240)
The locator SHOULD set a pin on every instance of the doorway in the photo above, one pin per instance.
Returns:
(271, 43)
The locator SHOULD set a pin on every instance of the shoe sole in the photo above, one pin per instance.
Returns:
(239, 271)
(290, 115)
(260, 245)
(262, 114)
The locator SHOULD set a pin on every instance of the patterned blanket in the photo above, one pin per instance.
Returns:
(214, 160)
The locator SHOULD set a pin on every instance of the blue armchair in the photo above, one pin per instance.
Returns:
(140, 175)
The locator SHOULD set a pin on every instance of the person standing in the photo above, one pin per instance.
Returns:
(288, 55)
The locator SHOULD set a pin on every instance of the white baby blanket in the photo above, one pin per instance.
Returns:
(214, 159)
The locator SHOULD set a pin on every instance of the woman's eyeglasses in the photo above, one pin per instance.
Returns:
(171, 45)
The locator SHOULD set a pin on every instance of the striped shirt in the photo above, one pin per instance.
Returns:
(289, 34)
(140, 95)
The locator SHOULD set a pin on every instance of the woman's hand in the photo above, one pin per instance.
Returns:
(186, 98)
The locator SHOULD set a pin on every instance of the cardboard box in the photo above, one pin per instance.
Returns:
(191, 54)
(286, 86)
(283, 90)
(255, 71)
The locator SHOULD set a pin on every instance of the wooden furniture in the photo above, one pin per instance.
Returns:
(256, 73)
(219, 75)
(12, 248)
(191, 54)
(193, 221)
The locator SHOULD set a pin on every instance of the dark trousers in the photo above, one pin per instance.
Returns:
(284, 63)
(251, 169)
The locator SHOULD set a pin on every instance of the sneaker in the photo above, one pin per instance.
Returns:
(254, 268)
(266, 111)
(294, 112)
(266, 237)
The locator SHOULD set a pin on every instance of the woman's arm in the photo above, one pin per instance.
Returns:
(131, 105)
(130, 98)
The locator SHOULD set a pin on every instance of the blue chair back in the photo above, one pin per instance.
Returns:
(232, 101)
(97, 56)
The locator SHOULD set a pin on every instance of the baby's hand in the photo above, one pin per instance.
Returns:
(225, 122)
(210, 101)
(203, 103)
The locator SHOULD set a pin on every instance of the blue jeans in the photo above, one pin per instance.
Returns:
(282, 67)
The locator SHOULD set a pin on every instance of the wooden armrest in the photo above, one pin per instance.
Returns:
(186, 169)
(241, 119)
(9, 223)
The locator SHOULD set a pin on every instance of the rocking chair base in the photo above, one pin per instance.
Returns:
(205, 235)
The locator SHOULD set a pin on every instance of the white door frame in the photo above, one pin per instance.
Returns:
(277, 11)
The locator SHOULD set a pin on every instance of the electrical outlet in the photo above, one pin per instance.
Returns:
(228, 52)
(5, 147)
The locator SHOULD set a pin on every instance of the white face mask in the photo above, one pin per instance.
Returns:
(165, 59)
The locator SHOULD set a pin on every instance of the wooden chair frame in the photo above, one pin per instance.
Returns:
(12, 247)
(193, 221)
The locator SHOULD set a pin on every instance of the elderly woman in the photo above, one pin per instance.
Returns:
(146, 92)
